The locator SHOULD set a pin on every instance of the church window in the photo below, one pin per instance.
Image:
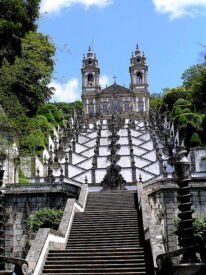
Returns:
(139, 77)
(105, 108)
(90, 62)
(138, 60)
(116, 106)
(141, 107)
(91, 109)
(126, 107)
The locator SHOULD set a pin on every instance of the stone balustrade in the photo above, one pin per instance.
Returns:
(50, 239)
(152, 232)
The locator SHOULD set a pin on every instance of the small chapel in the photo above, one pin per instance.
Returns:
(115, 98)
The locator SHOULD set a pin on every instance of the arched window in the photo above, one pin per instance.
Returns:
(139, 77)
(138, 60)
(90, 79)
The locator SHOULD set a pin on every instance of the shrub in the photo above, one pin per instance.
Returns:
(182, 120)
(195, 140)
(24, 181)
(177, 111)
(22, 178)
(186, 110)
(199, 227)
(44, 218)
(182, 102)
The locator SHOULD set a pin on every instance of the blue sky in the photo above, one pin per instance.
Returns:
(170, 32)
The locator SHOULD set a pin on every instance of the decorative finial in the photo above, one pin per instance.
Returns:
(89, 49)
(137, 46)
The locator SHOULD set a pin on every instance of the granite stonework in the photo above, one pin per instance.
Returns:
(19, 203)
(47, 239)
(162, 201)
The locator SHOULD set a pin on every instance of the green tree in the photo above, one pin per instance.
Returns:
(190, 75)
(170, 96)
(28, 78)
(203, 134)
(155, 100)
(17, 17)
(198, 91)
(195, 140)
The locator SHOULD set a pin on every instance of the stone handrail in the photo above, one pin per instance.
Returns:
(50, 239)
(152, 233)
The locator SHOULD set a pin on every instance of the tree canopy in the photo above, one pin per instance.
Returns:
(17, 18)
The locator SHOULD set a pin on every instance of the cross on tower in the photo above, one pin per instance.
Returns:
(115, 78)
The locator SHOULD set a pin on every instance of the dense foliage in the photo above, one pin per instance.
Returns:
(26, 66)
(68, 108)
(17, 18)
(186, 105)
(199, 227)
(44, 218)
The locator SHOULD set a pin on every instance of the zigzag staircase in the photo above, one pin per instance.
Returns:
(106, 239)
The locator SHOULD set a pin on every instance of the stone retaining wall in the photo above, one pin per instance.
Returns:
(162, 198)
(18, 206)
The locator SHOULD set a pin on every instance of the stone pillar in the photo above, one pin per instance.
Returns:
(134, 176)
(93, 175)
(74, 145)
(70, 155)
(186, 229)
(66, 169)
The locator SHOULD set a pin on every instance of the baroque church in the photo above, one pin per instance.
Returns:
(120, 175)
(115, 98)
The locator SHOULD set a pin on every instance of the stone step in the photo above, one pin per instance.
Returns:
(99, 226)
(101, 230)
(102, 246)
(104, 216)
(97, 270)
(104, 223)
(103, 235)
(110, 213)
(63, 265)
(105, 251)
(101, 241)
(105, 239)
(96, 258)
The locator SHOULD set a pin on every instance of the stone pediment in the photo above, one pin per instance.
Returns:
(115, 88)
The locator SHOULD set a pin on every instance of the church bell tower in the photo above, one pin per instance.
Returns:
(90, 82)
(139, 81)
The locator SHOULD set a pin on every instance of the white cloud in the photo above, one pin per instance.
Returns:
(66, 92)
(104, 81)
(179, 8)
(57, 5)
